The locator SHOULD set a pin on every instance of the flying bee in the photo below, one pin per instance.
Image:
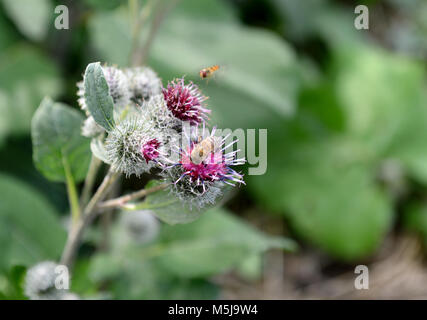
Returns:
(208, 72)
(204, 148)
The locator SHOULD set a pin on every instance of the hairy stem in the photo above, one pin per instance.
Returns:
(72, 192)
(95, 163)
(119, 202)
(101, 192)
(76, 232)
(107, 216)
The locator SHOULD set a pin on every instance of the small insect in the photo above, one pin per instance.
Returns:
(208, 72)
(204, 148)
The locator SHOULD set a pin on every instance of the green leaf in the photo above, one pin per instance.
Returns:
(325, 161)
(29, 229)
(4, 123)
(172, 266)
(26, 76)
(138, 279)
(56, 139)
(329, 195)
(384, 99)
(106, 26)
(12, 284)
(103, 5)
(169, 208)
(214, 243)
(7, 34)
(31, 17)
(98, 99)
(415, 218)
(378, 92)
(16, 159)
(335, 26)
(271, 81)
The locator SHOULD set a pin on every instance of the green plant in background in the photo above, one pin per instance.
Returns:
(346, 126)
(367, 110)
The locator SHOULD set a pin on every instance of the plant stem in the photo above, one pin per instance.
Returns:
(95, 163)
(133, 9)
(147, 206)
(119, 202)
(140, 55)
(107, 216)
(76, 232)
(138, 22)
(72, 192)
(101, 192)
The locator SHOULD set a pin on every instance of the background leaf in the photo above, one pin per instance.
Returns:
(29, 229)
(144, 280)
(318, 195)
(26, 76)
(12, 284)
(174, 265)
(31, 17)
(326, 159)
(214, 243)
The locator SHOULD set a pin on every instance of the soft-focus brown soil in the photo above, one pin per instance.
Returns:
(396, 271)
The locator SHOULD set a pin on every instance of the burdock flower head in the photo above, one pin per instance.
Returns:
(150, 150)
(203, 168)
(134, 146)
(185, 101)
(157, 112)
(118, 85)
(40, 281)
(143, 84)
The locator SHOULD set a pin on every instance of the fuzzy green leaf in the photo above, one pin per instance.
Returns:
(98, 99)
(56, 139)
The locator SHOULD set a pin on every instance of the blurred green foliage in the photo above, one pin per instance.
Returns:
(29, 227)
(176, 264)
(338, 104)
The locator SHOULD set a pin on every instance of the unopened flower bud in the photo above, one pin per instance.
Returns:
(143, 84)
(142, 226)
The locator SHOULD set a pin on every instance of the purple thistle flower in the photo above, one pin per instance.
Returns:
(216, 166)
(185, 101)
(150, 150)
(199, 182)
